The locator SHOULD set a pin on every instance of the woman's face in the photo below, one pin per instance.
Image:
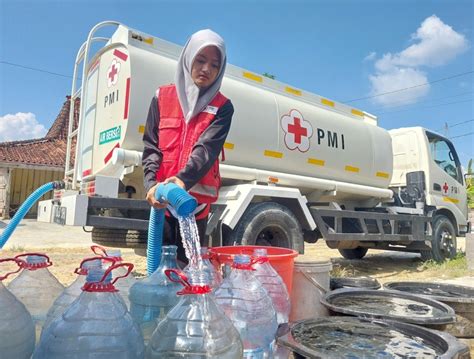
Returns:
(206, 67)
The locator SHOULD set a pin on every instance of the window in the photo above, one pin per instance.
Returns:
(445, 156)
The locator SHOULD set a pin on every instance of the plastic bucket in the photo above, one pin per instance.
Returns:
(281, 259)
(310, 284)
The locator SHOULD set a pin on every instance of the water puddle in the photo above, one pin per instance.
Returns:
(372, 304)
(352, 339)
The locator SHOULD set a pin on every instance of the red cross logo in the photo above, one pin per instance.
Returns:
(297, 130)
(445, 187)
(112, 72)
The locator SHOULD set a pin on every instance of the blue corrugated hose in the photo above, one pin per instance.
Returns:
(182, 202)
(25, 207)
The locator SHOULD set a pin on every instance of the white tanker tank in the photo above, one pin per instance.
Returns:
(279, 134)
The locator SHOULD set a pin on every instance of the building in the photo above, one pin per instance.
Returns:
(26, 165)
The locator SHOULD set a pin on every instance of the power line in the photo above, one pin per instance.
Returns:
(411, 87)
(466, 134)
(461, 123)
(418, 108)
(34, 69)
(425, 101)
(447, 125)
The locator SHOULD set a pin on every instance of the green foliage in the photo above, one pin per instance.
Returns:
(455, 267)
(470, 185)
(270, 76)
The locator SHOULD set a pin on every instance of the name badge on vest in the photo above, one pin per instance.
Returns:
(210, 109)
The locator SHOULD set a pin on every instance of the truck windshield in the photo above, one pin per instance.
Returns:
(445, 156)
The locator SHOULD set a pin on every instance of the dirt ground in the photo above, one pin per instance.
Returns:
(66, 246)
(385, 266)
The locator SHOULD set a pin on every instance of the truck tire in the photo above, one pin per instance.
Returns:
(443, 243)
(119, 238)
(355, 253)
(267, 224)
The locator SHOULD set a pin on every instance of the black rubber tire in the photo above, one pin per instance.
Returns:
(355, 253)
(119, 238)
(444, 243)
(267, 224)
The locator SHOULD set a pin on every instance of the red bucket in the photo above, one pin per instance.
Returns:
(281, 259)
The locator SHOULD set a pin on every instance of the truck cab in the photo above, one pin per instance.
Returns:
(419, 150)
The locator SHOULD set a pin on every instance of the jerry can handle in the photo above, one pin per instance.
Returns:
(115, 266)
(183, 279)
(17, 261)
(102, 251)
(25, 264)
(80, 270)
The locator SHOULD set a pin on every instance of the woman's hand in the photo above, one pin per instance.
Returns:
(176, 181)
(150, 197)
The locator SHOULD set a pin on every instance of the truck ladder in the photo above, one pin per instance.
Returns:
(71, 174)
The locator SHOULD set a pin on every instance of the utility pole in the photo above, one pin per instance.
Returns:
(446, 130)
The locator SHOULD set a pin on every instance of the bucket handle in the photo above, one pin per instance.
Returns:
(314, 282)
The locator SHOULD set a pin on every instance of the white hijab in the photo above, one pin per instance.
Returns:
(191, 101)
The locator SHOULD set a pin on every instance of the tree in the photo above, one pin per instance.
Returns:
(470, 185)
(270, 76)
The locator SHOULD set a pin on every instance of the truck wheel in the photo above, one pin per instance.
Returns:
(443, 243)
(355, 253)
(119, 238)
(267, 224)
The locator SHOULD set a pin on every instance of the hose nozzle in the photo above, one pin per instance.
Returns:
(182, 202)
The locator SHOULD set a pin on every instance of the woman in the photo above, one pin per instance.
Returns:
(186, 128)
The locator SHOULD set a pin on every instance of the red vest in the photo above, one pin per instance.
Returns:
(177, 138)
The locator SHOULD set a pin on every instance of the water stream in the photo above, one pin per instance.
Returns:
(190, 237)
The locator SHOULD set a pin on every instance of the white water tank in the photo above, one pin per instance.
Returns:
(275, 128)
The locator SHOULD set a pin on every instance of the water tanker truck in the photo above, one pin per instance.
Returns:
(296, 167)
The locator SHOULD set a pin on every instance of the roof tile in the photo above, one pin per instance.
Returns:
(48, 151)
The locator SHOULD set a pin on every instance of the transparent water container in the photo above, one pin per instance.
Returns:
(246, 302)
(96, 325)
(273, 283)
(276, 288)
(214, 277)
(152, 298)
(195, 327)
(36, 287)
(17, 330)
(71, 293)
(124, 285)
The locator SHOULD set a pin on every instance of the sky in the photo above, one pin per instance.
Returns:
(419, 52)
